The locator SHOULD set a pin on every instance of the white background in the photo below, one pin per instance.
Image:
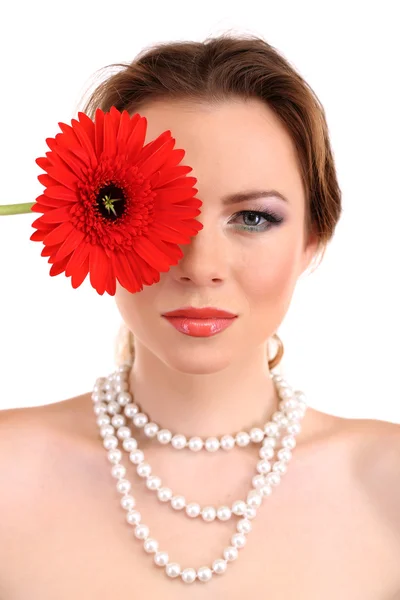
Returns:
(341, 334)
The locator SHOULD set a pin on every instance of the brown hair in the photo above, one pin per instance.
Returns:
(223, 67)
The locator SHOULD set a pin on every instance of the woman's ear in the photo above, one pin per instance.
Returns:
(311, 248)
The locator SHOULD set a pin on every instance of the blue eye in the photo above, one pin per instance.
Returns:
(254, 218)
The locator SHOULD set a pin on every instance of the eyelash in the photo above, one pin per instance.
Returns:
(272, 219)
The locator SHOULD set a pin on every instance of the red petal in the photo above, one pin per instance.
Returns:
(60, 193)
(98, 268)
(168, 234)
(58, 267)
(151, 254)
(153, 146)
(155, 161)
(70, 244)
(79, 276)
(85, 142)
(88, 125)
(127, 272)
(58, 215)
(99, 128)
(74, 163)
(110, 143)
(136, 140)
(58, 235)
(166, 196)
(62, 175)
(78, 259)
(160, 178)
(126, 125)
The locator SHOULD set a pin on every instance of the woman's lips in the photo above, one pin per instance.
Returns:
(200, 327)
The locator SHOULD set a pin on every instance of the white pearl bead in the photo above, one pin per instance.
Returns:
(121, 386)
(99, 408)
(256, 435)
(144, 469)
(278, 417)
(123, 486)
(219, 566)
(178, 502)
(113, 407)
(173, 570)
(271, 429)
(284, 454)
(114, 456)
(293, 428)
(288, 442)
(266, 452)
(150, 545)
(128, 502)
(141, 532)
(238, 540)
(178, 441)
(251, 512)
(188, 575)
(136, 456)
(106, 430)
(279, 467)
(110, 442)
(103, 420)
(164, 494)
(230, 553)
(129, 444)
(244, 526)
(118, 421)
(266, 490)
(133, 517)
(193, 509)
(287, 393)
(227, 442)
(131, 410)
(161, 559)
(224, 513)
(273, 478)
(124, 433)
(118, 471)
(242, 439)
(124, 398)
(196, 444)
(164, 436)
(263, 466)
(140, 419)
(204, 574)
(153, 482)
(239, 507)
(258, 481)
(209, 513)
(269, 442)
(254, 499)
(212, 444)
(295, 414)
(150, 429)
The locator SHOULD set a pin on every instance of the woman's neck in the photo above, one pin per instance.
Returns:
(230, 400)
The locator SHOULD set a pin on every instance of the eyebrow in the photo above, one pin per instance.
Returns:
(253, 195)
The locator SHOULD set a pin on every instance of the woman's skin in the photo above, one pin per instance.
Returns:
(329, 531)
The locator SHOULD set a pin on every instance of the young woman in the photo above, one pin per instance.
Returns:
(196, 470)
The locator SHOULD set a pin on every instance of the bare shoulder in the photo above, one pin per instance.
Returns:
(33, 441)
(374, 452)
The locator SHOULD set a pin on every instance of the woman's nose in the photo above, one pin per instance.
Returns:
(204, 259)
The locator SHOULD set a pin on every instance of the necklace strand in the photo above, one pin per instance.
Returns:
(109, 398)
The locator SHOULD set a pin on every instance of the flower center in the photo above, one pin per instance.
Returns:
(111, 201)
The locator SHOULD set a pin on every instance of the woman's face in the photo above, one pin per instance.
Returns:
(244, 264)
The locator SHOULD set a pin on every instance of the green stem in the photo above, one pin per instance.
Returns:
(15, 209)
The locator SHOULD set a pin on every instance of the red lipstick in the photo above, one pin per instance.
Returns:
(200, 322)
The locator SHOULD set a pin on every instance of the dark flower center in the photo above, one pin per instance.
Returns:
(111, 201)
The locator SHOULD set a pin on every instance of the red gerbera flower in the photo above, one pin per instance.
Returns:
(113, 207)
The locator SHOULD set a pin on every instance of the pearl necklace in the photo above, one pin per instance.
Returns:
(179, 441)
(110, 395)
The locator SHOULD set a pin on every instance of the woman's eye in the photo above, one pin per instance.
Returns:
(253, 220)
